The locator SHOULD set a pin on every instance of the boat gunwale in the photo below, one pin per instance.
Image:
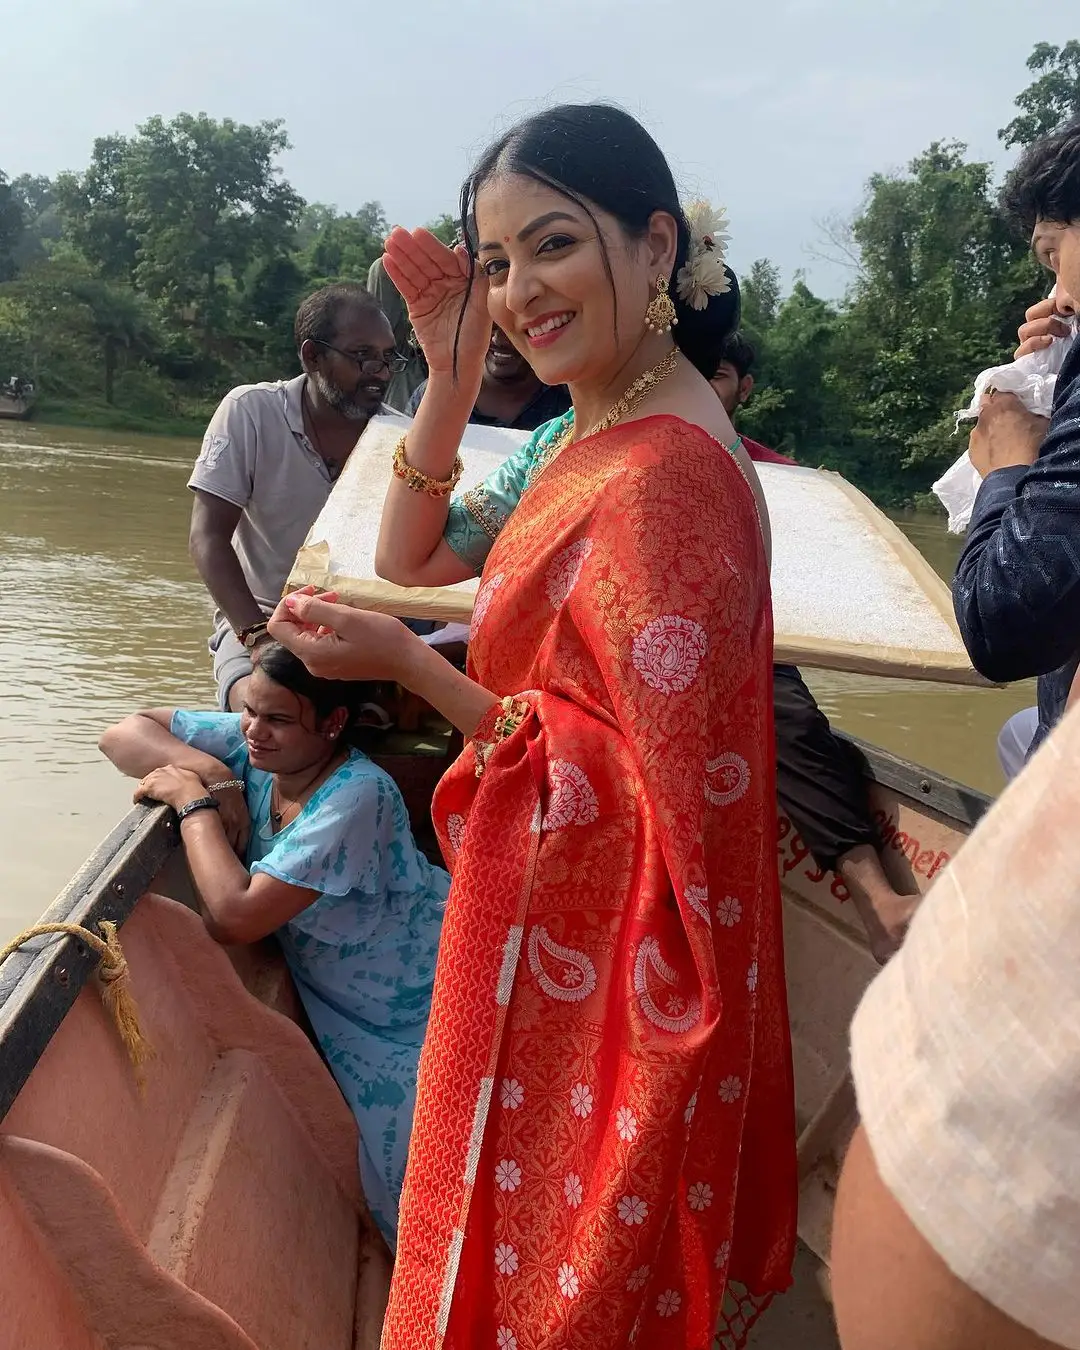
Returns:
(948, 797)
(38, 988)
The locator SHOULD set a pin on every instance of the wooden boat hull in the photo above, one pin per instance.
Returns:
(221, 1205)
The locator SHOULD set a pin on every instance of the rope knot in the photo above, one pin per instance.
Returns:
(113, 979)
(114, 964)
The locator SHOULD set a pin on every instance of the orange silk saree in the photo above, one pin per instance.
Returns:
(604, 1129)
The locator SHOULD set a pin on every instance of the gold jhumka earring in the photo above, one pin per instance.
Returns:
(660, 314)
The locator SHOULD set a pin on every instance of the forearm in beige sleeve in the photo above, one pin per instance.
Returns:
(966, 1054)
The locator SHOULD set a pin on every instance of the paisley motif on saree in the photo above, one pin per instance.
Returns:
(604, 1129)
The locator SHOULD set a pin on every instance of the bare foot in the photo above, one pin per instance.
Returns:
(884, 911)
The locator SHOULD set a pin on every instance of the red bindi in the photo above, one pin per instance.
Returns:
(506, 238)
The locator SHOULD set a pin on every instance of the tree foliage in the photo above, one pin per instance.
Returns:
(172, 265)
(11, 228)
(1052, 98)
(870, 386)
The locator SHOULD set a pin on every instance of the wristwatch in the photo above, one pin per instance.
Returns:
(252, 633)
(199, 804)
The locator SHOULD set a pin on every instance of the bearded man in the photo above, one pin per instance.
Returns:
(268, 461)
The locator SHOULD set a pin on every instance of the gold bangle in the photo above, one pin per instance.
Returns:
(422, 482)
(514, 712)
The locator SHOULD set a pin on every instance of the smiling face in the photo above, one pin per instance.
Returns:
(282, 732)
(504, 363)
(549, 290)
(1057, 247)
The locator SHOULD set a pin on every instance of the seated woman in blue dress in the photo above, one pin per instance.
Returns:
(289, 828)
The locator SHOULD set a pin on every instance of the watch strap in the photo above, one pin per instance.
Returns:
(249, 636)
(199, 804)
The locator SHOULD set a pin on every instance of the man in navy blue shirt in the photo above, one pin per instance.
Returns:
(1017, 587)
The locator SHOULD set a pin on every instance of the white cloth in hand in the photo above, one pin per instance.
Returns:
(1032, 378)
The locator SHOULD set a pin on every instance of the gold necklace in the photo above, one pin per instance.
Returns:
(620, 409)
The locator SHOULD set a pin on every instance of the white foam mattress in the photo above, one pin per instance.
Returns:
(850, 592)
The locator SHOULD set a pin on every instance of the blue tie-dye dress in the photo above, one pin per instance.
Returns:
(363, 955)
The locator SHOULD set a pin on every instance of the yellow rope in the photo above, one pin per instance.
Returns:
(113, 977)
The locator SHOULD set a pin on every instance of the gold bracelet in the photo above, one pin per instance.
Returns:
(422, 482)
(514, 712)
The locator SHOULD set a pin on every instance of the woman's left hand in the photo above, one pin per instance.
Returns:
(175, 787)
(337, 642)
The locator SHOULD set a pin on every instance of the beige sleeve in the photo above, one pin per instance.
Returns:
(966, 1054)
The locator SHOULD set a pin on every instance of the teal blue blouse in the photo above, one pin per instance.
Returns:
(477, 516)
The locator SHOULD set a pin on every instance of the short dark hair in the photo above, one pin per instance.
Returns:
(736, 351)
(279, 664)
(318, 315)
(593, 152)
(1045, 185)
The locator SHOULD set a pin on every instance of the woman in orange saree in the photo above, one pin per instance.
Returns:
(604, 1131)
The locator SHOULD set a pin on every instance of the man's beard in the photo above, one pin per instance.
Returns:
(342, 403)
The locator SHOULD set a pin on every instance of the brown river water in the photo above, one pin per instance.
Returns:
(101, 613)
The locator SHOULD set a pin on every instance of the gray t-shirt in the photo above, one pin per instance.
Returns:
(257, 455)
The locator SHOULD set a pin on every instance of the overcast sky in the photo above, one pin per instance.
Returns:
(778, 109)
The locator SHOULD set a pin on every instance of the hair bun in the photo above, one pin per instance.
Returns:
(700, 334)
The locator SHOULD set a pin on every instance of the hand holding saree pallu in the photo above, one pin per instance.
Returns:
(604, 1130)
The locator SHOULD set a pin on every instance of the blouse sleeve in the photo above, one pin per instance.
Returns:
(477, 516)
(213, 733)
(345, 838)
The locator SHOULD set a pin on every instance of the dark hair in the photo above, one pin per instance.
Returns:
(1045, 185)
(279, 664)
(594, 153)
(734, 351)
(318, 315)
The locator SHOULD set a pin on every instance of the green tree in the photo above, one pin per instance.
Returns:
(41, 218)
(183, 209)
(11, 228)
(206, 199)
(342, 248)
(761, 294)
(794, 409)
(118, 321)
(74, 322)
(265, 312)
(95, 210)
(941, 287)
(444, 228)
(1052, 98)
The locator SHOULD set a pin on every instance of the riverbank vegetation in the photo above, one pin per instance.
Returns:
(135, 292)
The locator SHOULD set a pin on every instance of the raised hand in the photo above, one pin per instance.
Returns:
(337, 642)
(1006, 434)
(1043, 323)
(433, 281)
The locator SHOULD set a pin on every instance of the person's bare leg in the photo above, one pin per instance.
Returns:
(884, 911)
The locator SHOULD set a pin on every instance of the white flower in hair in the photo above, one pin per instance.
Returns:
(704, 274)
